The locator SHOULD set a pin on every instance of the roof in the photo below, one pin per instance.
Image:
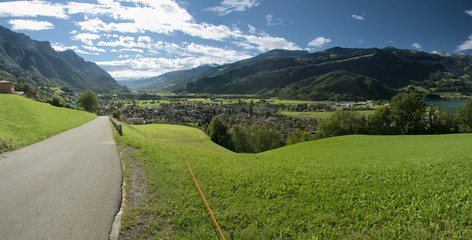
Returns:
(4, 81)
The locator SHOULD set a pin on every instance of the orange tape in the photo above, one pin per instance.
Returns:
(200, 190)
(201, 193)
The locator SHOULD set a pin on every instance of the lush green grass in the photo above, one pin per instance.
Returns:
(37, 121)
(177, 136)
(350, 187)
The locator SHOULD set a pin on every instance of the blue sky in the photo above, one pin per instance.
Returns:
(134, 39)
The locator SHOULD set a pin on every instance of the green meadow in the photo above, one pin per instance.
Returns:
(349, 187)
(24, 121)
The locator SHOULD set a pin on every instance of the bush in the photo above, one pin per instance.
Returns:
(6, 144)
(116, 114)
(58, 102)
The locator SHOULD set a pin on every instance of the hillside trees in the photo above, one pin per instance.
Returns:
(88, 101)
(218, 132)
(255, 139)
(407, 111)
(342, 123)
(407, 114)
(464, 117)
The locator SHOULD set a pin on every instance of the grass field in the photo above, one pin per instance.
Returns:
(350, 187)
(37, 121)
(177, 136)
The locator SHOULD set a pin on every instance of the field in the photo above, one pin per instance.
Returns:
(350, 187)
(23, 121)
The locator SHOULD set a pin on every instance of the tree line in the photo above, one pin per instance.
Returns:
(407, 114)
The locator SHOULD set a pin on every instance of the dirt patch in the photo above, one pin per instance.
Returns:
(138, 179)
(136, 191)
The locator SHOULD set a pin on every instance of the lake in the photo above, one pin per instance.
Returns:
(451, 105)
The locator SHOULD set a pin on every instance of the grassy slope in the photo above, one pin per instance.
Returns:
(177, 136)
(38, 120)
(341, 188)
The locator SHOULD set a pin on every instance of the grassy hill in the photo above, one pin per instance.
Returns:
(350, 187)
(37, 121)
(177, 136)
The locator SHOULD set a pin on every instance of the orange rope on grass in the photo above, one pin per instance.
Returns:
(201, 193)
(200, 190)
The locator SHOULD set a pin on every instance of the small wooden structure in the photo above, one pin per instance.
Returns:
(7, 87)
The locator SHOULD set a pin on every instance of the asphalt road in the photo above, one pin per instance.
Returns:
(66, 187)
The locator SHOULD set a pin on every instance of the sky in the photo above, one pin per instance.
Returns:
(134, 39)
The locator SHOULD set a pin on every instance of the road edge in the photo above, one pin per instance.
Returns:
(116, 226)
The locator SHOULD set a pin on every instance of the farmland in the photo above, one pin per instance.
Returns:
(23, 121)
(336, 188)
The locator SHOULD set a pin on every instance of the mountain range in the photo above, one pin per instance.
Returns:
(37, 63)
(334, 74)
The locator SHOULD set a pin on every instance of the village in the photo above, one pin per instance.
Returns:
(199, 114)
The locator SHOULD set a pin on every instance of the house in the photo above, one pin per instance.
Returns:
(7, 87)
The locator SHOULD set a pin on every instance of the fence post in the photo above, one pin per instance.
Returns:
(117, 126)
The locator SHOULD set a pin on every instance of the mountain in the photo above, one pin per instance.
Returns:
(341, 73)
(168, 82)
(37, 63)
(177, 80)
(336, 85)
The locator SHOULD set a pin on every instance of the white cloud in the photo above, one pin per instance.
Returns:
(189, 56)
(319, 42)
(469, 12)
(269, 19)
(22, 24)
(144, 39)
(86, 38)
(416, 45)
(94, 49)
(358, 17)
(228, 6)
(252, 29)
(271, 22)
(131, 50)
(85, 52)
(31, 9)
(466, 45)
(60, 47)
(265, 42)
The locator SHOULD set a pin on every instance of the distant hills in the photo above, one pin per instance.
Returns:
(37, 63)
(335, 74)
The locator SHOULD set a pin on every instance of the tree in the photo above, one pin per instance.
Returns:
(251, 105)
(298, 137)
(219, 133)
(58, 101)
(380, 121)
(440, 121)
(342, 123)
(464, 117)
(88, 101)
(408, 111)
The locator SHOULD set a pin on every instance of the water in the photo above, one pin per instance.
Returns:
(450, 106)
